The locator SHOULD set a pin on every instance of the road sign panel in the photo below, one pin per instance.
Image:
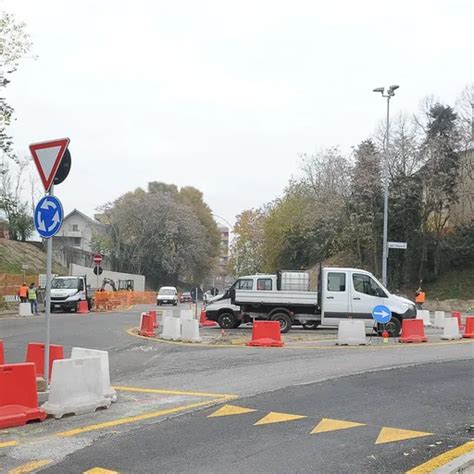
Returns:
(382, 314)
(63, 168)
(98, 270)
(48, 216)
(397, 245)
(47, 157)
(98, 259)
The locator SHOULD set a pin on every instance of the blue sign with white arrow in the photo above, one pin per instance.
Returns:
(48, 216)
(381, 314)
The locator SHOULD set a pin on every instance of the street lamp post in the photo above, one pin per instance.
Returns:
(388, 94)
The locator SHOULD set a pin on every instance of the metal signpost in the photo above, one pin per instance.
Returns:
(49, 215)
(97, 269)
(382, 315)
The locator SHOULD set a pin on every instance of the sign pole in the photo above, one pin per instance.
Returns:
(49, 264)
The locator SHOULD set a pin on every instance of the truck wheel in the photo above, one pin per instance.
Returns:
(226, 320)
(310, 325)
(284, 320)
(394, 327)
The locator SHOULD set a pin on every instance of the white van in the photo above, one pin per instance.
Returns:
(167, 295)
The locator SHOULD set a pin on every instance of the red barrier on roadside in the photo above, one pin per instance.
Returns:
(469, 329)
(2, 356)
(204, 322)
(35, 354)
(82, 307)
(457, 315)
(413, 331)
(18, 398)
(266, 334)
(146, 327)
(152, 313)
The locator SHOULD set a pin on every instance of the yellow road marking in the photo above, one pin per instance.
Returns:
(328, 424)
(31, 466)
(100, 470)
(133, 419)
(442, 459)
(276, 417)
(6, 444)
(389, 435)
(228, 410)
(172, 392)
(131, 332)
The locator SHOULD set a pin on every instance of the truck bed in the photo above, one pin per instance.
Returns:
(283, 298)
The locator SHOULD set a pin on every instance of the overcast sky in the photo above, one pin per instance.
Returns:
(223, 95)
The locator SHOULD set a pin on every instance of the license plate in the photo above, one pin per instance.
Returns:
(57, 305)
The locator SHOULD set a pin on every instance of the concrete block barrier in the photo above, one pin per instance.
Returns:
(424, 315)
(266, 334)
(439, 319)
(186, 314)
(76, 387)
(451, 330)
(190, 330)
(24, 309)
(351, 333)
(171, 329)
(81, 352)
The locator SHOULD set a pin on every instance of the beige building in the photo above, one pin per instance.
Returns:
(74, 242)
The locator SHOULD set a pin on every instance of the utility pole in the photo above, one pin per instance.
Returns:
(388, 95)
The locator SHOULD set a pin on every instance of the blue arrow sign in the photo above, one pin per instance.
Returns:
(381, 314)
(48, 216)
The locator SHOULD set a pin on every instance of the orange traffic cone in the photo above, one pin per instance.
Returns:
(152, 313)
(204, 322)
(469, 329)
(82, 307)
(413, 331)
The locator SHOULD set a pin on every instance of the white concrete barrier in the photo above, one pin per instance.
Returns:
(186, 314)
(351, 333)
(451, 329)
(439, 319)
(167, 313)
(24, 309)
(80, 352)
(190, 330)
(76, 387)
(171, 329)
(424, 314)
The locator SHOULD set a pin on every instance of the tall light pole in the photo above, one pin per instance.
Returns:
(388, 94)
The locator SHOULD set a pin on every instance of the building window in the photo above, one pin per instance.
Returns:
(75, 227)
(76, 241)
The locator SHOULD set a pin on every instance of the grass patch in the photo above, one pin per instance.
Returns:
(453, 284)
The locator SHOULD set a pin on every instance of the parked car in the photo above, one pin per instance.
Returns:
(186, 298)
(167, 295)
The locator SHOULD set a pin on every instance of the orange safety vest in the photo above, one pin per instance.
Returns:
(420, 297)
(23, 292)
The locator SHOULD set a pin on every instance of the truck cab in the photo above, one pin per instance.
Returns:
(67, 291)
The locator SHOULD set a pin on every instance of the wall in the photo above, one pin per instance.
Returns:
(78, 270)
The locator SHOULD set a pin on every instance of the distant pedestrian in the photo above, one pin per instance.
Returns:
(23, 293)
(419, 298)
(33, 298)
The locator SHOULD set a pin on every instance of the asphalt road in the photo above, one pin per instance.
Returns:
(271, 375)
(433, 398)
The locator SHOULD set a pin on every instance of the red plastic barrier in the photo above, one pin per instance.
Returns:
(204, 322)
(457, 315)
(2, 356)
(413, 331)
(18, 398)
(469, 329)
(147, 328)
(35, 354)
(266, 334)
(152, 313)
(82, 307)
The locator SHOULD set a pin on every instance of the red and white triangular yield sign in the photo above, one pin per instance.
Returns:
(47, 157)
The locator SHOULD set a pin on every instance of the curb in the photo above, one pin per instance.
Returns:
(462, 464)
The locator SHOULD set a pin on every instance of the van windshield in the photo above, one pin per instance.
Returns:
(166, 292)
(65, 284)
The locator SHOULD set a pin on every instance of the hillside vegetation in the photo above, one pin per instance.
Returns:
(14, 254)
